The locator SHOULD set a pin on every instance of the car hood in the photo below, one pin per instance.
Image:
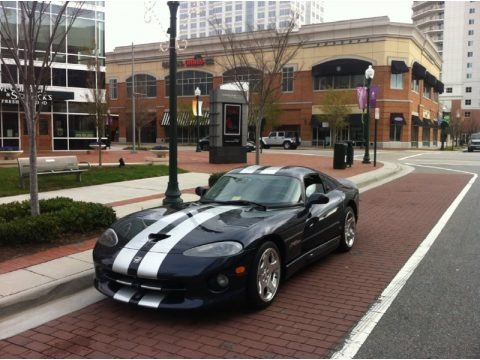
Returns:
(166, 230)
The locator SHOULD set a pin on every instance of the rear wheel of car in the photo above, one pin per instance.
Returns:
(287, 145)
(349, 230)
(204, 147)
(264, 279)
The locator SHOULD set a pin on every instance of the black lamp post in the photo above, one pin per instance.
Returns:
(198, 92)
(172, 194)
(369, 74)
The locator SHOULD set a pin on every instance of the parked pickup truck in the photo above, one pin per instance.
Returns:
(287, 139)
(474, 142)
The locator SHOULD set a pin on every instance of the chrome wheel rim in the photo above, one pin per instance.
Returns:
(350, 226)
(268, 275)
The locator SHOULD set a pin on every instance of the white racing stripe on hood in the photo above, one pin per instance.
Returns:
(124, 294)
(151, 300)
(271, 170)
(154, 258)
(126, 255)
(250, 169)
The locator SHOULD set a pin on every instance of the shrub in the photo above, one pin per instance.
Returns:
(59, 217)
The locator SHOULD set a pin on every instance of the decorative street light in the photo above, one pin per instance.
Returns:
(198, 92)
(172, 194)
(369, 74)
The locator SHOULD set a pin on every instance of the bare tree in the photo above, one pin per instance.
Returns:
(336, 110)
(32, 45)
(455, 128)
(97, 102)
(258, 57)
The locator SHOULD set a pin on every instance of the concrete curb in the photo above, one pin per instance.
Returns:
(54, 290)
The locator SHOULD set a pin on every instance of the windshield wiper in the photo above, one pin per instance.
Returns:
(238, 202)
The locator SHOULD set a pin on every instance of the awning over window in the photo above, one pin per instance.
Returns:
(317, 120)
(418, 71)
(397, 119)
(341, 67)
(430, 79)
(354, 119)
(439, 87)
(185, 119)
(416, 121)
(427, 123)
(399, 67)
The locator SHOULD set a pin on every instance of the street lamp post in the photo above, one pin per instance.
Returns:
(198, 92)
(172, 194)
(369, 74)
(133, 103)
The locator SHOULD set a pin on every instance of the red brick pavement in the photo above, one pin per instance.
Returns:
(188, 160)
(310, 319)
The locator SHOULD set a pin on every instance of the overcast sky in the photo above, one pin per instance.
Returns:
(126, 23)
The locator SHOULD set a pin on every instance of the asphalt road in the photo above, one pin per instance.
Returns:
(437, 313)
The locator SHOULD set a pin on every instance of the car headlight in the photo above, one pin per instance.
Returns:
(109, 238)
(224, 248)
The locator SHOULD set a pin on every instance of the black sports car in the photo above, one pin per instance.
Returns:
(251, 230)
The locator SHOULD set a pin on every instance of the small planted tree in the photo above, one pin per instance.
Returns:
(335, 107)
(258, 58)
(32, 41)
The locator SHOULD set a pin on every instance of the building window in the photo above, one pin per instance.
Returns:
(287, 79)
(426, 136)
(113, 86)
(467, 114)
(469, 65)
(469, 75)
(395, 132)
(468, 102)
(468, 89)
(145, 85)
(470, 42)
(396, 81)
(471, 11)
(337, 82)
(415, 84)
(250, 75)
(426, 91)
(187, 82)
(470, 32)
(470, 54)
(448, 90)
(471, 21)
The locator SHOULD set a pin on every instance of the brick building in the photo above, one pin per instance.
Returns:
(333, 55)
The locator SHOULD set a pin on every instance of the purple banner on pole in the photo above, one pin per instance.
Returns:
(373, 95)
(362, 97)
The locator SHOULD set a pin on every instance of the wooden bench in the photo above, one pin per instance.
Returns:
(52, 165)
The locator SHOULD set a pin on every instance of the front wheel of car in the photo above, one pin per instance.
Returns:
(264, 279)
(349, 230)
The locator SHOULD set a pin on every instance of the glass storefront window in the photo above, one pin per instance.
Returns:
(81, 37)
(82, 126)
(146, 85)
(9, 125)
(60, 125)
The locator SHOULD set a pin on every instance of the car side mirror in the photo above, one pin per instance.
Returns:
(200, 190)
(317, 199)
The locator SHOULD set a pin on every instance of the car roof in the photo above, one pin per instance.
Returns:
(294, 171)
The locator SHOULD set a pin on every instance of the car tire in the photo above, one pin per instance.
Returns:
(264, 146)
(264, 279)
(204, 147)
(348, 230)
(287, 145)
(470, 150)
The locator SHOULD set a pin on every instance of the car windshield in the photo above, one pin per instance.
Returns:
(476, 136)
(268, 190)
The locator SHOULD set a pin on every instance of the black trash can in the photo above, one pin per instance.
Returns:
(339, 156)
(349, 153)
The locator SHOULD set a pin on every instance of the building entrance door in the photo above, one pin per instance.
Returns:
(44, 134)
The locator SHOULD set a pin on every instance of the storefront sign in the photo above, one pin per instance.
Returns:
(197, 60)
(11, 96)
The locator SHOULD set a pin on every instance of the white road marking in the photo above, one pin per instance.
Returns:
(412, 156)
(366, 325)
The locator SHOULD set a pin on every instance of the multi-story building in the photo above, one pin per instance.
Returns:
(454, 27)
(332, 56)
(206, 18)
(65, 123)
